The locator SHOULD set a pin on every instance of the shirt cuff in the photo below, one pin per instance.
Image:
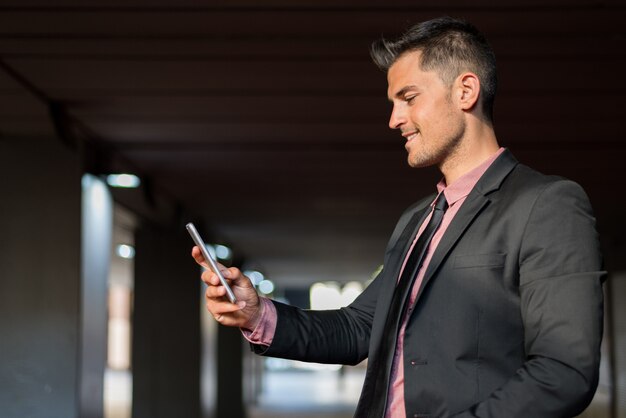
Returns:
(263, 332)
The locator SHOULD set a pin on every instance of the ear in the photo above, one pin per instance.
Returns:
(468, 90)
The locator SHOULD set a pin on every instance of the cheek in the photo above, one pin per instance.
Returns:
(435, 119)
(419, 116)
(428, 113)
(446, 121)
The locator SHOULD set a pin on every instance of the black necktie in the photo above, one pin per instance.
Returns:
(398, 307)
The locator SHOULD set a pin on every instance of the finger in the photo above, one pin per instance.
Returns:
(197, 254)
(225, 319)
(234, 276)
(218, 294)
(215, 292)
(231, 273)
(207, 277)
(211, 278)
(198, 257)
(222, 307)
(221, 266)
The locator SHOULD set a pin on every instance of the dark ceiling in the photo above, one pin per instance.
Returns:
(267, 120)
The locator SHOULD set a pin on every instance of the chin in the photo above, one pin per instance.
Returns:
(419, 162)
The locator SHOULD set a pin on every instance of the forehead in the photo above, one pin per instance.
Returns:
(407, 64)
(406, 71)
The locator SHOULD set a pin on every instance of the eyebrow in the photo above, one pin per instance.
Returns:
(400, 93)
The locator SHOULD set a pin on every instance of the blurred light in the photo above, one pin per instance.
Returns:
(277, 364)
(223, 252)
(350, 291)
(119, 347)
(316, 367)
(256, 277)
(123, 180)
(125, 251)
(377, 271)
(325, 296)
(266, 287)
(96, 194)
(210, 249)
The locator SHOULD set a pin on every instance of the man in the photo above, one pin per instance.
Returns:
(499, 311)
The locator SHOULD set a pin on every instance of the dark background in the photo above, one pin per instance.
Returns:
(266, 119)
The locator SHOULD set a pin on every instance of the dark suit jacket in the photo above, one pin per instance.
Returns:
(508, 321)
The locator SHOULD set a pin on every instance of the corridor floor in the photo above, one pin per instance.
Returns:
(309, 394)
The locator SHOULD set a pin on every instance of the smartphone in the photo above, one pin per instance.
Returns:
(207, 256)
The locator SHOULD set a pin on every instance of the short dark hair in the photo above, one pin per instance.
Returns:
(449, 46)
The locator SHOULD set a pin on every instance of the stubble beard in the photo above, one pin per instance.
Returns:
(440, 151)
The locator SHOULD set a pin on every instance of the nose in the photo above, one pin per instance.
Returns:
(397, 118)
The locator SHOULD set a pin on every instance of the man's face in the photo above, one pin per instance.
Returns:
(424, 112)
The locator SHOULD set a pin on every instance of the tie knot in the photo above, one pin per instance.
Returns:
(441, 203)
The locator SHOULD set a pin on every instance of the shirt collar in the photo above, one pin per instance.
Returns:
(462, 186)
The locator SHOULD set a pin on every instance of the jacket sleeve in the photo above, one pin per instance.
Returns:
(338, 336)
(561, 307)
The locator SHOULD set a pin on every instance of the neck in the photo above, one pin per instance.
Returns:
(478, 144)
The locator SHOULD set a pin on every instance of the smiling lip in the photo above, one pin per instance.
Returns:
(410, 135)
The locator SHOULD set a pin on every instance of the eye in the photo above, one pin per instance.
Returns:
(410, 99)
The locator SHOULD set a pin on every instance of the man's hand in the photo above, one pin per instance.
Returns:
(246, 312)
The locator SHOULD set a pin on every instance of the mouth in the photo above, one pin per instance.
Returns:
(410, 135)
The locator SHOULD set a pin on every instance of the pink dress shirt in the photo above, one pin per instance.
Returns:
(455, 193)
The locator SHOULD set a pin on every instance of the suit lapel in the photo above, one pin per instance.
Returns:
(476, 201)
(398, 254)
(459, 224)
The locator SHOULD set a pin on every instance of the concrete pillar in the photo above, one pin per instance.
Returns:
(53, 274)
(222, 385)
(166, 326)
(97, 230)
(40, 216)
(229, 373)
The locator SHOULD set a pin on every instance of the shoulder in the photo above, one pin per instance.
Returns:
(528, 179)
(525, 184)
